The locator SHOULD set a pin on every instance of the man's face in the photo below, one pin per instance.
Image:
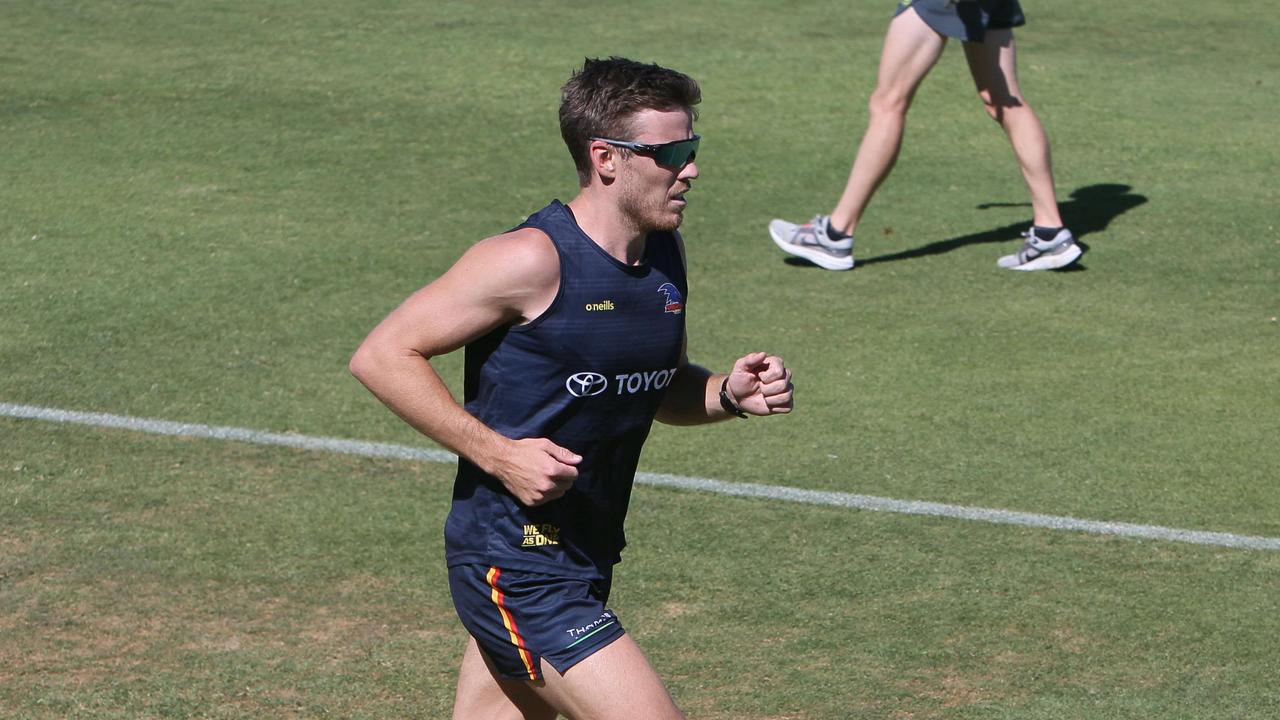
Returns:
(652, 194)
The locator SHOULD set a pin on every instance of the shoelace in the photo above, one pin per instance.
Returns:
(1028, 251)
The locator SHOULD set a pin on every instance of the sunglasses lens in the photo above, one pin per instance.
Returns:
(677, 154)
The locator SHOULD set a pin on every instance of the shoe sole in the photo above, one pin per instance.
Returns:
(1052, 261)
(816, 257)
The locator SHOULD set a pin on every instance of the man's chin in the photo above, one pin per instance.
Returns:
(665, 219)
(672, 224)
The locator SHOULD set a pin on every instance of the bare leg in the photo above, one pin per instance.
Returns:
(911, 48)
(482, 695)
(615, 683)
(993, 64)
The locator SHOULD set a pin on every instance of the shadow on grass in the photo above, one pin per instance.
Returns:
(1090, 210)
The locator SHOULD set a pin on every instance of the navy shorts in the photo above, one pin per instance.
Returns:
(518, 618)
(966, 20)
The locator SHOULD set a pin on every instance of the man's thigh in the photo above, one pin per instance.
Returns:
(615, 683)
(910, 50)
(483, 694)
(994, 66)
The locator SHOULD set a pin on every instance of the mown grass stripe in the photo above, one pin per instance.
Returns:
(708, 485)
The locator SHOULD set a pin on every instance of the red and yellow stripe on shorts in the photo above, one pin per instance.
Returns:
(509, 623)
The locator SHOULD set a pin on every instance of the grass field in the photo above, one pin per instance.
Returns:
(207, 205)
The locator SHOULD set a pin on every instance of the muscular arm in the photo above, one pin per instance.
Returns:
(759, 384)
(504, 279)
(687, 401)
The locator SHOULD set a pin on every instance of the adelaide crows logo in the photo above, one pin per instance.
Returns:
(674, 300)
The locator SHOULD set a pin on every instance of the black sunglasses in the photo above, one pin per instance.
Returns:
(675, 154)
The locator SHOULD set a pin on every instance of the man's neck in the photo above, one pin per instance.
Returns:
(608, 227)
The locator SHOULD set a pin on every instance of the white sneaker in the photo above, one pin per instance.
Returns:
(1037, 254)
(811, 242)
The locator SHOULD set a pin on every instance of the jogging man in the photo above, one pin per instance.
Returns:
(914, 42)
(574, 329)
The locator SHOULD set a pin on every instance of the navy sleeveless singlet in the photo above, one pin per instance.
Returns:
(588, 374)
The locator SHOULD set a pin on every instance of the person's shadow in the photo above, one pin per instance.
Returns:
(1090, 210)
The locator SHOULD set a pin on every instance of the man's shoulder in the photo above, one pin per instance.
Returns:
(525, 250)
(519, 269)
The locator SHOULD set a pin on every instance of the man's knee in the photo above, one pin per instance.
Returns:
(889, 103)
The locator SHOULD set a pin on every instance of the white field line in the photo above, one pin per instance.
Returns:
(720, 487)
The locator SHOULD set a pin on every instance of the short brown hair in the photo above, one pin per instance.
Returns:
(600, 99)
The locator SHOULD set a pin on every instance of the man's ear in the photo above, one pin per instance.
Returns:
(604, 159)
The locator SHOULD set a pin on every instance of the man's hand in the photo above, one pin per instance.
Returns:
(536, 470)
(760, 384)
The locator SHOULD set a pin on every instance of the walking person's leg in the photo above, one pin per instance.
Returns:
(910, 50)
(993, 64)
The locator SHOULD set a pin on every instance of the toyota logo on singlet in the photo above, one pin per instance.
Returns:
(586, 384)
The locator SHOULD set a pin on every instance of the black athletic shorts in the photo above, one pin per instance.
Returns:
(966, 20)
(518, 618)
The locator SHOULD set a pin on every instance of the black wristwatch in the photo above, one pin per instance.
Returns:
(726, 403)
